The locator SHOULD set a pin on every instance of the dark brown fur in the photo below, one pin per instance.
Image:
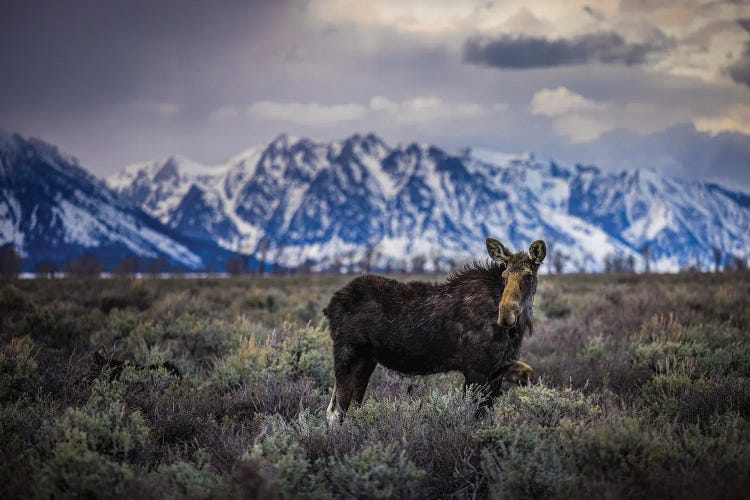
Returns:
(423, 328)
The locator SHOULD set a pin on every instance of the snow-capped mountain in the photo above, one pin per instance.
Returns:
(51, 209)
(310, 201)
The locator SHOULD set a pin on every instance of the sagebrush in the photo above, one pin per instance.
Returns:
(644, 391)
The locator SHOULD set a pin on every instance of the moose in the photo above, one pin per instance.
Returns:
(473, 323)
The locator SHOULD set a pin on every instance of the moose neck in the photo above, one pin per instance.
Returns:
(486, 278)
(525, 324)
(479, 275)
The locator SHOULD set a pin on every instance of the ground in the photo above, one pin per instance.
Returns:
(642, 389)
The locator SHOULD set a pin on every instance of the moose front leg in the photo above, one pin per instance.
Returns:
(490, 386)
(352, 373)
(519, 373)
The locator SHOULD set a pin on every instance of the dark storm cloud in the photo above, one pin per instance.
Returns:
(77, 55)
(114, 82)
(739, 71)
(527, 52)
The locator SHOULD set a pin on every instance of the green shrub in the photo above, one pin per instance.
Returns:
(304, 352)
(18, 369)
(198, 336)
(376, 472)
(268, 393)
(62, 325)
(677, 396)
(545, 406)
(525, 461)
(240, 366)
(13, 300)
(19, 424)
(248, 480)
(94, 450)
(115, 431)
(284, 462)
(189, 478)
(627, 407)
(663, 395)
(78, 471)
(664, 346)
(21, 443)
(552, 306)
(125, 294)
(620, 450)
(595, 349)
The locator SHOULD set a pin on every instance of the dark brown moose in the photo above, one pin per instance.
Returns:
(473, 323)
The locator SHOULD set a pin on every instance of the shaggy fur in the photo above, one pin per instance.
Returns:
(423, 328)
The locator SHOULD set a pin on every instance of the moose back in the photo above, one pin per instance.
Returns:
(473, 323)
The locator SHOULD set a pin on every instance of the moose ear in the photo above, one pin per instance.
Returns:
(538, 251)
(497, 250)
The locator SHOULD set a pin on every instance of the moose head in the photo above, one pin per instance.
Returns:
(520, 278)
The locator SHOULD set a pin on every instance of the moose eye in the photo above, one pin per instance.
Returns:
(528, 277)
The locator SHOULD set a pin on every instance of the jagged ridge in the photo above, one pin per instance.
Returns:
(51, 209)
(316, 201)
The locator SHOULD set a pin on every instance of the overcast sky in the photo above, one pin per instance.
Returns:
(630, 83)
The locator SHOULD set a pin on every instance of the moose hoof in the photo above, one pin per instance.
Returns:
(334, 415)
(519, 373)
(334, 418)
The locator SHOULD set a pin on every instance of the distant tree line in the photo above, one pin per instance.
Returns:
(10, 262)
(85, 266)
(267, 261)
(368, 260)
(727, 261)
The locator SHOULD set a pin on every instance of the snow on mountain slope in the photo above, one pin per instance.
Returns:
(677, 220)
(327, 202)
(173, 178)
(52, 209)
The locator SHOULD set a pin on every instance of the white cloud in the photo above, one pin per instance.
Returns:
(225, 113)
(736, 119)
(430, 17)
(312, 113)
(432, 108)
(581, 128)
(420, 109)
(165, 108)
(576, 117)
(161, 108)
(561, 101)
(697, 41)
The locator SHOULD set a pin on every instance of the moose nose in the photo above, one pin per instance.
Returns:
(508, 319)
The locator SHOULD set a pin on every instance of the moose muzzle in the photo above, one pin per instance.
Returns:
(508, 316)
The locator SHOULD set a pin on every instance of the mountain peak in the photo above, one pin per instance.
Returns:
(52, 209)
(7, 139)
(282, 141)
(587, 169)
(317, 200)
(167, 171)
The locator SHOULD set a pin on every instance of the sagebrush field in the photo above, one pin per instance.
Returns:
(644, 390)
